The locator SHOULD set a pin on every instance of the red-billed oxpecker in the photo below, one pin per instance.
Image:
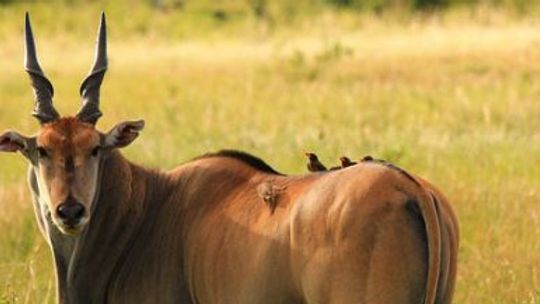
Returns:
(120, 233)
(270, 194)
(314, 164)
(346, 162)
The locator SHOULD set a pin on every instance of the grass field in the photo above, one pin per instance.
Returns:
(454, 98)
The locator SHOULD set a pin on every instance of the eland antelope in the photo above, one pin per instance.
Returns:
(120, 233)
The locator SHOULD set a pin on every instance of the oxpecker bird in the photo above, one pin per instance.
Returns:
(270, 194)
(314, 165)
(346, 162)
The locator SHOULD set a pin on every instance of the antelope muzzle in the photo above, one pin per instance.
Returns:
(71, 216)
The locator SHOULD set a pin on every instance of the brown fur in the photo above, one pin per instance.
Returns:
(197, 234)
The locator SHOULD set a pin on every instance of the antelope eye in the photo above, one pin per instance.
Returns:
(42, 152)
(95, 151)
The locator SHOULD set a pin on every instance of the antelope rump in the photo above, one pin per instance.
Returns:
(201, 233)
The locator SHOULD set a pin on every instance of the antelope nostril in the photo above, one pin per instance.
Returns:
(70, 211)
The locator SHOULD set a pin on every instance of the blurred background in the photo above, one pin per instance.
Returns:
(449, 90)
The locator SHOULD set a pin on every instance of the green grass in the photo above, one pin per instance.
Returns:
(452, 98)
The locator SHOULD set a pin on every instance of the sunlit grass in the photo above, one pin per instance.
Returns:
(455, 101)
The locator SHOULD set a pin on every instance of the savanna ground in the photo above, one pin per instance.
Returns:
(453, 97)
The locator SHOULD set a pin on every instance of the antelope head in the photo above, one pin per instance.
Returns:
(67, 154)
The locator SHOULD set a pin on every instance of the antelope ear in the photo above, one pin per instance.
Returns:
(123, 134)
(11, 141)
